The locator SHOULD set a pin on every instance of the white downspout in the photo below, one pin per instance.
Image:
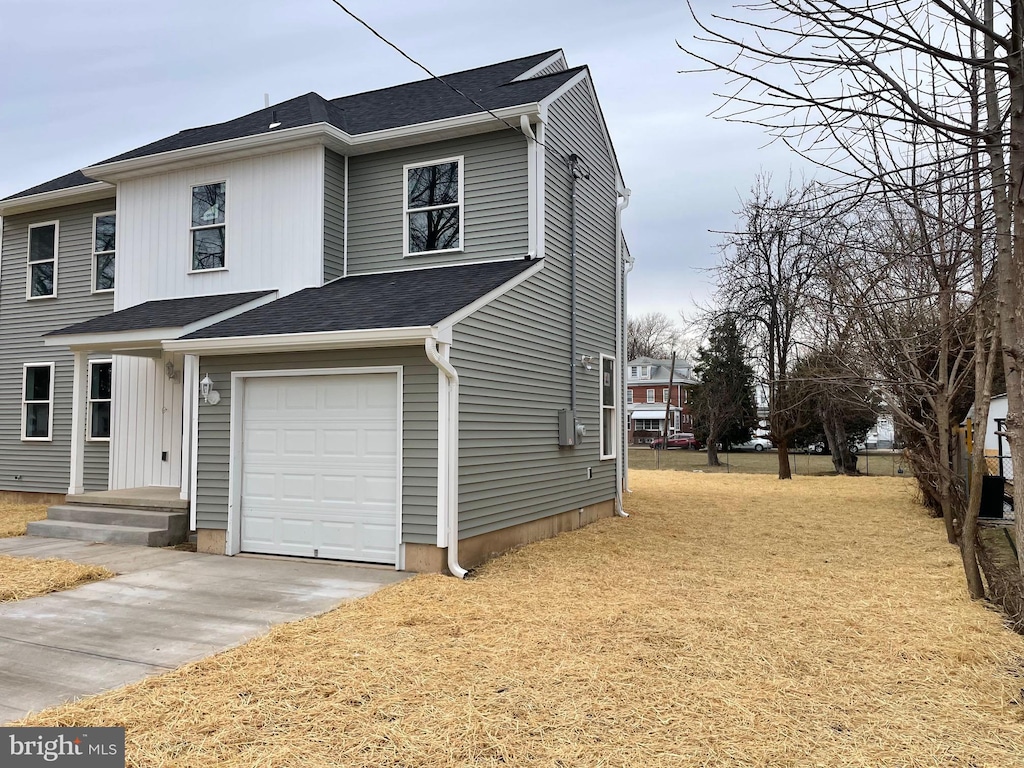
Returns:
(620, 316)
(451, 460)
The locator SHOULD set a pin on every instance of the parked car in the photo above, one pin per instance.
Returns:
(677, 440)
(755, 444)
(822, 447)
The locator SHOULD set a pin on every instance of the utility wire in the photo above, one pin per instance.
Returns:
(439, 79)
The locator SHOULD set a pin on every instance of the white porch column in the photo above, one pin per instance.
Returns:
(189, 420)
(78, 406)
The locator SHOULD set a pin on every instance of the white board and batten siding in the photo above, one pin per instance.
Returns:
(44, 466)
(318, 464)
(274, 228)
(513, 355)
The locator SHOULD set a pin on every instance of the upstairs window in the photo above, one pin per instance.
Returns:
(99, 399)
(104, 232)
(433, 207)
(208, 226)
(37, 402)
(633, 370)
(42, 260)
(629, 396)
(664, 395)
(650, 395)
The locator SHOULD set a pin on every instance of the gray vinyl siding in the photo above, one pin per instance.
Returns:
(45, 466)
(513, 354)
(495, 215)
(334, 215)
(419, 428)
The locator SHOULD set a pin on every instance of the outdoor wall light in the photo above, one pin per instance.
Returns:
(210, 395)
(587, 361)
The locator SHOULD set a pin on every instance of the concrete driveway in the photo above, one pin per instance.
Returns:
(166, 608)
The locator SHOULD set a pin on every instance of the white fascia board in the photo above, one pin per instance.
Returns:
(97, 342)
(300, 342)
(532, 72)
(312, 135)
(82, 193)
(457, 317)
(569, 85)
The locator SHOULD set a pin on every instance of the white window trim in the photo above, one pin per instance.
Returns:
(650, 397)
(89, 400)
(24, 380)
(406, 210)
(95, 253)
(664, 395)
(629, 396)
(28, 263)
(191, 248)
(613, 407)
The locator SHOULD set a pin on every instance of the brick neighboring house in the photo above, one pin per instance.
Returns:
(647, 393)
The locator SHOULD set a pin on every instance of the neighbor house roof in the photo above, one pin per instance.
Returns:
(492, 87)
(164, 313)
(409, 298)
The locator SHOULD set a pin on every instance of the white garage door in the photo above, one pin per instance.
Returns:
(320, 466)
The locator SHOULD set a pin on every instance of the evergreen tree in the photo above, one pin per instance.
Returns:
(723, 403)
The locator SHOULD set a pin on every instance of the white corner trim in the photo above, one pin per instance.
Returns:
(532, 72)
(487, 298)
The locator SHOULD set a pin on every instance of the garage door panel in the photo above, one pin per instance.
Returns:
(320, 466)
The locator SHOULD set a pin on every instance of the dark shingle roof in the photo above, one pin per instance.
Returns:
(68, 180)
(416, 297)
(408, 104)
(165, 313)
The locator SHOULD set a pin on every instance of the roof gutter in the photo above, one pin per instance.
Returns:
(81, 193)
(295, 342)
(448, 469)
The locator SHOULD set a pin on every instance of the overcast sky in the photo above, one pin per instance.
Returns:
(86, 80)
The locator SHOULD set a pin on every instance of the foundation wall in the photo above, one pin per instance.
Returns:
(423, 558)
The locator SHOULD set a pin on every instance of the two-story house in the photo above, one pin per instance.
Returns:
(386, 327)
(651, 391)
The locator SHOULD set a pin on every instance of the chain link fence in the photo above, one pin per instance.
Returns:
(875, 463)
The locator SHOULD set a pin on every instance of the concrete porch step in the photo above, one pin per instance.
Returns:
(99, 532)
(135, 499)
(176, 523)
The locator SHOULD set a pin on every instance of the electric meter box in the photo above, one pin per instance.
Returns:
(566, 427)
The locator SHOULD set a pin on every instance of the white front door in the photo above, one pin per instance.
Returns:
(320, 466)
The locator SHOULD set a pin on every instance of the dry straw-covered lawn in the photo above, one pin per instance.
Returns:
(22, 577)
(731, 621)
(14, 517)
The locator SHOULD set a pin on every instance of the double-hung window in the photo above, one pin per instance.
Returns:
(42, 260)
(104, 239)
(99, 399)
(664, 395)
(37, 402)
(609, 422)
(650, 395)
(433, 207)
(209, 226)
(629, 396)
